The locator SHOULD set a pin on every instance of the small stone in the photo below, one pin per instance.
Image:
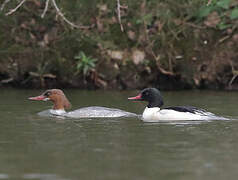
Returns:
(138, 56)
(118, 55)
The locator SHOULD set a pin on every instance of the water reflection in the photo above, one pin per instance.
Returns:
(43, 176)
(4, 176)
(34, 176)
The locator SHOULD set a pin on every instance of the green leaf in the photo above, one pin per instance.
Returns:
(223, 26)
(205, 11)
(79, 66)
(139, 21)
(234, 13)
(91, 64)
(223, 4)
(147, 17)
(84, 63)
(81, 54)
(85, 70)
(77, 57)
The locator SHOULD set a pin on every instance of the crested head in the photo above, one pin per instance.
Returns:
(151, 95)
(57, 96)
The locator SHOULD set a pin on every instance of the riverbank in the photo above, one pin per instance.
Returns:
(130, 45)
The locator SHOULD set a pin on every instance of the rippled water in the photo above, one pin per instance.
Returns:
(46, 148)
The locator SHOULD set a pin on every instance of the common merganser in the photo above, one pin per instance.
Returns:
(154, 113)
(61, 103)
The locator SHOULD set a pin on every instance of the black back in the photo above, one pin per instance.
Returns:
(190, 109)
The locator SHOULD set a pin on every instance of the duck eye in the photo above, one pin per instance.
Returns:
(145, 93)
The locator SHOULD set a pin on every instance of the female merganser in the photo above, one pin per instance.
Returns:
(154, 113)
(61, 103)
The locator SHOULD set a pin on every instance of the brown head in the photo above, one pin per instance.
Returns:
(56, 96)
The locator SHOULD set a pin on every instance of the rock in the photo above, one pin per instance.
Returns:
(131, 35)
(138, 56)
(118, 55)
(235, 37)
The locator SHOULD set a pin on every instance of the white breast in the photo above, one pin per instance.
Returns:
(58, 112)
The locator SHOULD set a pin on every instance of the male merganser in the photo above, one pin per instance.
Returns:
(154, 113)
(61, 103)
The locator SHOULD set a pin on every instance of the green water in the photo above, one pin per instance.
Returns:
(46, 148)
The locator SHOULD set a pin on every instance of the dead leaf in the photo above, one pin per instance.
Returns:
(103, 7)
(131, 35)
(115, 54)
(212, 20)
(99, 25)
(46, 38)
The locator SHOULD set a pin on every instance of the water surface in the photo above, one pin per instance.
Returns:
(46, 148)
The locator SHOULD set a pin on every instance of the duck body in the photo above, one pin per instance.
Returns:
(154, 113)
(173, 114)
(99, 112)
(61, 103)
(89, 112)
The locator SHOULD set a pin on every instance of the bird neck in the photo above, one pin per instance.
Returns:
(158, 102)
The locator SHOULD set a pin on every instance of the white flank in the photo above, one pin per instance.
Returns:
(58, 112)
(156, 115)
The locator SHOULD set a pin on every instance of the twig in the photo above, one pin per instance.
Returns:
(234, 73)
(209, 2)
(119, 14)
(44, 12)
(223, 39)
(157, 59)
(65, 19)
(46, 8)
(3, 4)
(16, 8)
(61, 14)
(194, 25)
(232, 79)
(7, 80)
(163, 71)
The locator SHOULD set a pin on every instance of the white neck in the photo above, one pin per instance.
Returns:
(150, 114)
(58, 112)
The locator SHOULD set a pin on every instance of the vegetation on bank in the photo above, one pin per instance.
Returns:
(120, 44)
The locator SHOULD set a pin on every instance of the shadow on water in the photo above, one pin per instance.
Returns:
(35, 147)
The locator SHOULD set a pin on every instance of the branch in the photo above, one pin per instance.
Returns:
(234, 73)
(3, 4)
(16, 8)
(65, 19)
(46, 8)
(119, 14)
(232, 79)
(156, 58)
(44, 12)
(193, 25)
(163, 71)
